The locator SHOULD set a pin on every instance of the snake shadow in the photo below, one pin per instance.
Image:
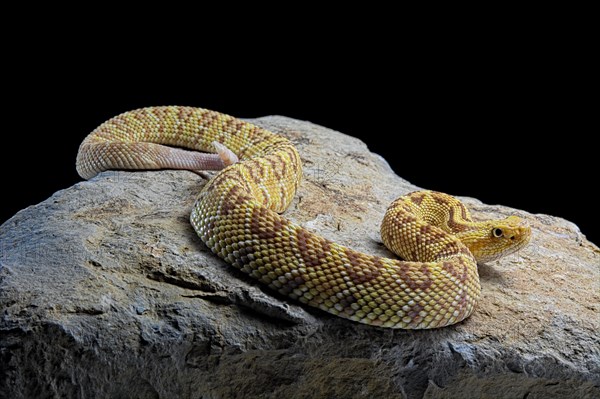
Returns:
(490, 274)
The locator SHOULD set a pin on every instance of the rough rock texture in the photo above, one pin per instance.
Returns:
(105, 291)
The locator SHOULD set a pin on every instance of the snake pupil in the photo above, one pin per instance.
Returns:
(497, 232)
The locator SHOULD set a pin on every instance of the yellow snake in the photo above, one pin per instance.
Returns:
(237, 216)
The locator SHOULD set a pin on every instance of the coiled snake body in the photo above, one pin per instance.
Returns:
(237, 216)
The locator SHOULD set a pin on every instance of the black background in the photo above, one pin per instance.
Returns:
(509, 126)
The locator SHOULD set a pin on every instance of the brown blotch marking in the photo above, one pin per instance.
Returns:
(449, 268)
(233, 176)
(417, 198)
(282, 164)
(465, 251)
(439, 200)
(253, 171)
(257, 139)
(218, 179)
(233, 200)
(414, 255)
(453, 247)
(282, 195)
(360, 270)
(294, 157)
(397, 203)
(227, 124)
(414, 284)
(301, 238)
(320, 246)
(464, 213)
(430, 235)
(465, 271)
(460, 272)
(275, 166)
(280, 223)
(261, 169)
(264, 169)
(233, 126)
(228, 205)
(265, 232)
(463, 302)
(161, 127)
(209, 120)
(378, 266)
(405, 218)
(221, 138)
(453, 224)
(183, 113)
(238, 125)
(427, 277)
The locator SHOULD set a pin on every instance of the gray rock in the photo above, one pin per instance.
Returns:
(105, 291)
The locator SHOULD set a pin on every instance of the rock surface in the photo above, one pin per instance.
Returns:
(105, 291)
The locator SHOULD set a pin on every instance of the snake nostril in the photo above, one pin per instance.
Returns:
(512, 237)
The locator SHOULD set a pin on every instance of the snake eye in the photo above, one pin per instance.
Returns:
(497, 232)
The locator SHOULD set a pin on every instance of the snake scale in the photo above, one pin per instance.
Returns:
(237, 216)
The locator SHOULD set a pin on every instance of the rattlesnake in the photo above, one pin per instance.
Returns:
(237, 216)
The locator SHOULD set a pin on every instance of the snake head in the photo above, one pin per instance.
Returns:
(494, 239)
